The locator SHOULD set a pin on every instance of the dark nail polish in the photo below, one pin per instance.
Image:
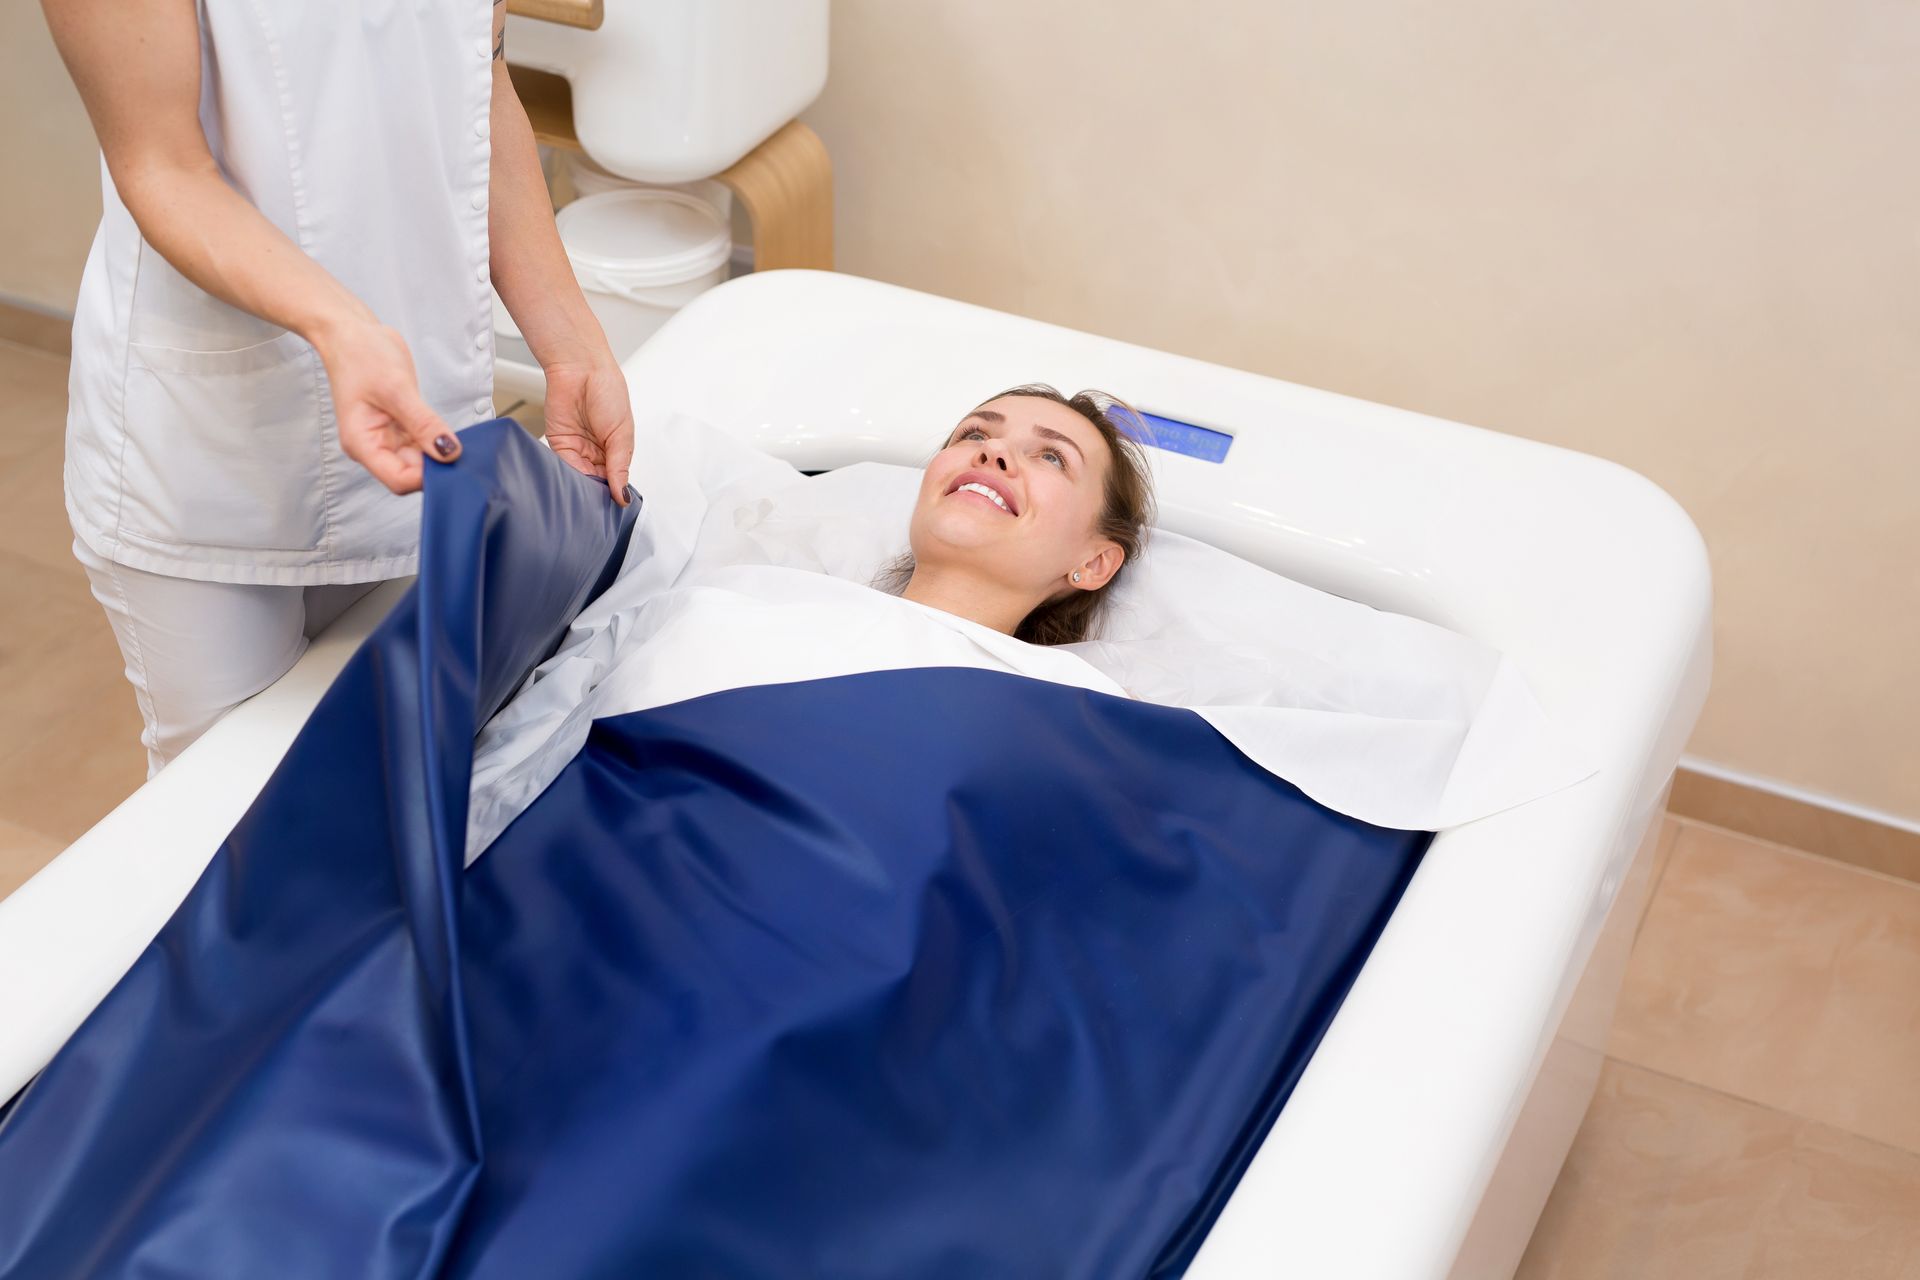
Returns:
(443, 445)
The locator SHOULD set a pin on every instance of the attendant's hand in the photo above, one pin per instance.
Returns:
(590, 419)
(384, 424)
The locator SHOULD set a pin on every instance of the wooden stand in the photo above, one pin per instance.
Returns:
(585, 14)
(785, 184)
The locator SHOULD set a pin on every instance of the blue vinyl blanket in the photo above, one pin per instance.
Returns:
(918, 973)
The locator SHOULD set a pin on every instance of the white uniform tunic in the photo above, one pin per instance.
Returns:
(200, 439)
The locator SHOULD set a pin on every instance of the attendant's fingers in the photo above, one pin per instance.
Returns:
(411, 470)
(620, 461)
(391, 470)
(425, 429)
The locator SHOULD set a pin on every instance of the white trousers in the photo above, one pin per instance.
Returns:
(195, 650)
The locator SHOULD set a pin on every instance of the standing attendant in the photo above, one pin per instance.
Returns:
(286, 306)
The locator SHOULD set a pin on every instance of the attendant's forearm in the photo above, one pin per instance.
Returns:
(137, 68)
(215, 238)
(530, 267)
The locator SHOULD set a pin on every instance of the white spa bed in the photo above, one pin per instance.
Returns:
(1431, 1123)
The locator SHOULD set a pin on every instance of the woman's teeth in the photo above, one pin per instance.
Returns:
(984, 492)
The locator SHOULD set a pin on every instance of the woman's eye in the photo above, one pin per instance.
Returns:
(973, 433)
(1053, 456)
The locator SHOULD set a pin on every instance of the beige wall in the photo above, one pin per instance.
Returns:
(51, 164)
(1685, 237)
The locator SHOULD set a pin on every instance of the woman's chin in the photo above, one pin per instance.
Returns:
(962, 524)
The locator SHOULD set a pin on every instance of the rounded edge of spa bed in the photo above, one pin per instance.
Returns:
(70, 933)
(1586, 573)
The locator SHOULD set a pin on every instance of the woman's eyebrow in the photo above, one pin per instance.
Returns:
(1067, 440)
(982, 415)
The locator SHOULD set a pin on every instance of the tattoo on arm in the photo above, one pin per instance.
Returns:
(500, 36)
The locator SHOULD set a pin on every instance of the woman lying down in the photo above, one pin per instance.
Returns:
(818, 931)
(1019, 548)
(1025, 520)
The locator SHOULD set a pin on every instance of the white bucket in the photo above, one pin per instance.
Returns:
(585, 178)
(640, 253)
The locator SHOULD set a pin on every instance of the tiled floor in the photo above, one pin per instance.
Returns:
(69, 730)
(1759, 1113)
(1759, 1116)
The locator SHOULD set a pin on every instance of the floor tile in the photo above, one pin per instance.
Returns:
(1669, 835)
(33, 512)
(33, 389)
(22, 853)
(1662, 855)
(1670, 1181)
(36, 330)
(1781, 978)
(69, 728)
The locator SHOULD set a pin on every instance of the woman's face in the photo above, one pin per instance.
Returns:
(1016, 495)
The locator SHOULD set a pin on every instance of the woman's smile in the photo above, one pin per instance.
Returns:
(985, 487)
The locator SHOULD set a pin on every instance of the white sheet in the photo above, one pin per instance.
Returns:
(745, 572)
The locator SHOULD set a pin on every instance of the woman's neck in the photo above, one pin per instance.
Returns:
(988, 603)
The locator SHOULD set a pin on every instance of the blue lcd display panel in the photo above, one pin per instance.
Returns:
(1176, 436)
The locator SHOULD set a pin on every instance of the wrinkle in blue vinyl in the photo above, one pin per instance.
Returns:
(916, 973)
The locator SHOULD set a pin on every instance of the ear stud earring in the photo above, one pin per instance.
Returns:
(1076, 575)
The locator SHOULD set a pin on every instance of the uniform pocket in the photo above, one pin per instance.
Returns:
(225, 448)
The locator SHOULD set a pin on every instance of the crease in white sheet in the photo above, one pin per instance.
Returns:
(744, 572)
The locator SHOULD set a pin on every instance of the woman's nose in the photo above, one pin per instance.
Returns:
(993, 453)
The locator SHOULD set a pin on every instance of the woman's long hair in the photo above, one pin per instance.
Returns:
(1125, 516)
